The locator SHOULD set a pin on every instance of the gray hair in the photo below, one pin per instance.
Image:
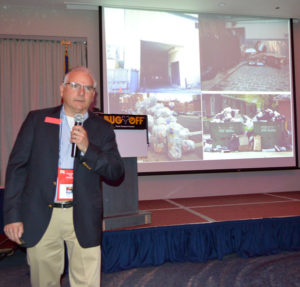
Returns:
(83, 69)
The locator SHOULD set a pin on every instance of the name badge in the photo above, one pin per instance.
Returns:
(64, 184)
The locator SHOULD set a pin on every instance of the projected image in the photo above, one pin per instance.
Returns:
(174, 124)
(246, 124)
(217, 90)
(151, 51)
(243, 55)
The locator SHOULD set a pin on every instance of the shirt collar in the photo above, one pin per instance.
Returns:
(63, 114)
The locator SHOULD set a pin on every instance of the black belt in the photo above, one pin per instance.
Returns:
(61, 205)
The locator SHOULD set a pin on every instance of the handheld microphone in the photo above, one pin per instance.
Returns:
(78, 118)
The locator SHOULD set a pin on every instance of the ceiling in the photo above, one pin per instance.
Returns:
(266, 8)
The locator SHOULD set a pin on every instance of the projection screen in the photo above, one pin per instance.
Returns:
(218, 90)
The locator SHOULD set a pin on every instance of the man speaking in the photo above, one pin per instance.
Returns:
(52, 194)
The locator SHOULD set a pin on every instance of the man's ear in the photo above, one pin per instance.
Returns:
(61, 90)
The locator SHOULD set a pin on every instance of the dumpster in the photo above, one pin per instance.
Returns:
(221, 133)
(271, 133)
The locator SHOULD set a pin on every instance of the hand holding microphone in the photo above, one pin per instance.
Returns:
(79, 136)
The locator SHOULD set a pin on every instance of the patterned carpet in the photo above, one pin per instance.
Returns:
(280, 270)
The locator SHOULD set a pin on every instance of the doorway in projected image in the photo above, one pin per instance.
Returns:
(160, 66)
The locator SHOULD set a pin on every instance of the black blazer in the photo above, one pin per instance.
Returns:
(32, 172)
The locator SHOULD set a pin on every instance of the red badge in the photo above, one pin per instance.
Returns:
(51, 120)
(64, 185)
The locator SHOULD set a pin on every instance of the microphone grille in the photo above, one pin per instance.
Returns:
(78, 118)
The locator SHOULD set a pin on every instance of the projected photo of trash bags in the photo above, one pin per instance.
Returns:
(174, 126)
(256, 124)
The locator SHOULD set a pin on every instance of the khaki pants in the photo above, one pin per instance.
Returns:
(46, 259)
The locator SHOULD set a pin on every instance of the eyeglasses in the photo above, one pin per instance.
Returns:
(78, 87)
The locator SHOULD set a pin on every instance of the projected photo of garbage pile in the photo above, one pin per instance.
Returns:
(248, 123)
(174, 125)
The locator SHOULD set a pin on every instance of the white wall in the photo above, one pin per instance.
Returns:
(211, 184)
(74, 23)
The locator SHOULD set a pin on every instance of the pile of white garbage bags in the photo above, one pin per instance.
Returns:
(165, 133)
